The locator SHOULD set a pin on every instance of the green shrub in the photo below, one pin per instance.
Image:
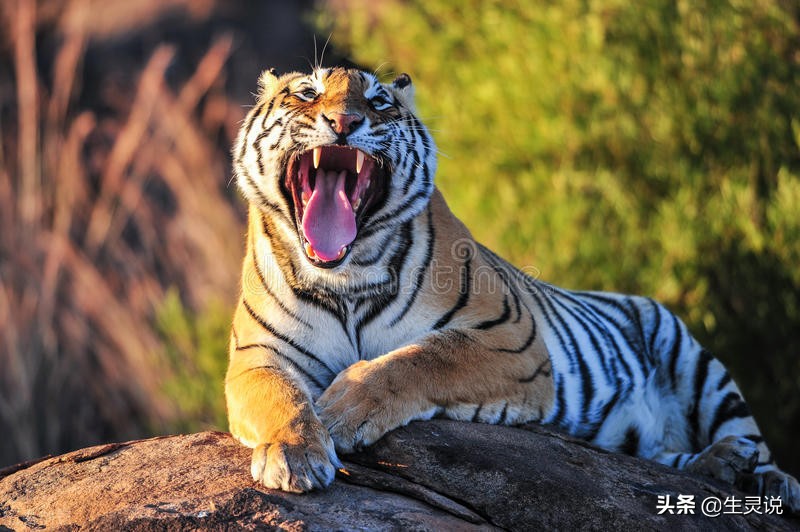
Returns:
(196, 348)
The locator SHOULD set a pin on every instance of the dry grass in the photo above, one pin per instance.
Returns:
(99, 216)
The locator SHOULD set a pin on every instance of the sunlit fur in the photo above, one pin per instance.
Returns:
(419, 320)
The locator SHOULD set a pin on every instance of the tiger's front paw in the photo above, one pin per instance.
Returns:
(295, 467)
(359, 407)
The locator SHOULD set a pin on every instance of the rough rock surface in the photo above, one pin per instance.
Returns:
(438, 475)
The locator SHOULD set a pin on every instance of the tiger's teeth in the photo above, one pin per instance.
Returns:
(306, 197)
(341, 252)
(357, 204)
(359, 161)
(317, 155)
(310, 251)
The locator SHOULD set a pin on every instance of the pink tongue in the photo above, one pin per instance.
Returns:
(328, 221)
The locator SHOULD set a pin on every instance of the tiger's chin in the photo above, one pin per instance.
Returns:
(333, 189)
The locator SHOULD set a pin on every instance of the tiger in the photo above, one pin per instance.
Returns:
(366, 304)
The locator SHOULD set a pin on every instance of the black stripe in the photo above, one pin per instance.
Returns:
(278, 122)
(287, 359)
(379, 251)
(590, 333)
(247, 129)
(755, 438)
(631, 443)
(421, 272)
(676, 460)
(606, 324)
(265, 366)
(318, 298)
(426, 141)
(263, 281)
(675, 353)
(632, 345)
(450, 334)
(270, 329)
(732, 406)
(375, 225)
(724, 380)
(559, 410)
(488, 324)
(641, 351)
(262, 198)
(591, 430)
(500, 268)
(539, 371)
(656, 328)
(593, 320)
(412, 171)
(526, 344)
(271, 106)
(292, 130)
(502, 420)
(700, 376)
(517, 304)
(477, 412)
(380, 302)
(463, 297)
(235, 336)
(570, 352)
(587, 382)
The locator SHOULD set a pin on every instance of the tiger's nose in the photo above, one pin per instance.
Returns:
(344, 124)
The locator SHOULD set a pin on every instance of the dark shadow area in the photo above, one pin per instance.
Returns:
(756, 304)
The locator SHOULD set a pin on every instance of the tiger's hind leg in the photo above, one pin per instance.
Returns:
(770, 481)
(728, 459)
(737, 452)
(724, 440)
(734, 460)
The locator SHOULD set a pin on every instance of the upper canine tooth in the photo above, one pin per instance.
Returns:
(317, 155)
(359, 161)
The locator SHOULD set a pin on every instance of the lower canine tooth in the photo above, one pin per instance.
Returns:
(310, 251)
(341, 253)
(357, 204)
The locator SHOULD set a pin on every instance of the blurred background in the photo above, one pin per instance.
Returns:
(645, 147)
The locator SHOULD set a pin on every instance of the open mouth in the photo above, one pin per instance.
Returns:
(331, 188)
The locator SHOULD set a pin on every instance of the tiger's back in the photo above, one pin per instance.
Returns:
(366, 304)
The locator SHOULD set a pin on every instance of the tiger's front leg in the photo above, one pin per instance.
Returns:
(269, 412)
(444, 371)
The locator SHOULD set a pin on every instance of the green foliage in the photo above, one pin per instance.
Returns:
(645, 147)
(197, 344)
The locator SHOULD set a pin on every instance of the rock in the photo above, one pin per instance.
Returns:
(435, 475)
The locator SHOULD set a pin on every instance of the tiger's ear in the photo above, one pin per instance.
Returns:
(404, 90)
(402, 81)
(267, 83)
